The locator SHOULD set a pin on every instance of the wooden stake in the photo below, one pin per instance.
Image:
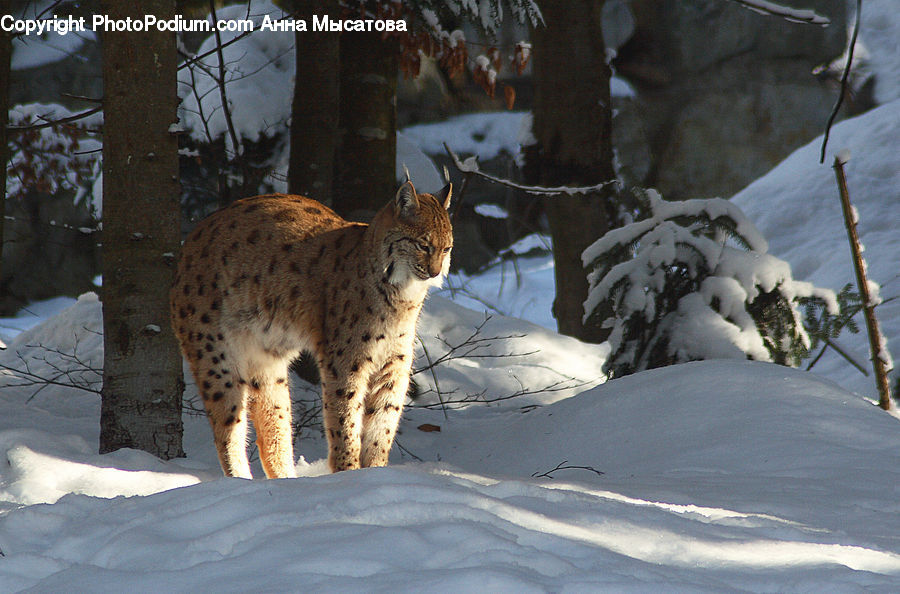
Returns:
(875, 346)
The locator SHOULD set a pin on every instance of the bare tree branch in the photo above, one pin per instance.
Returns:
(569, 383)
(51, 123)
(71, 371)
(470, 167)
(221, 81)
(564, 465)
(437, 385)
(844, 78)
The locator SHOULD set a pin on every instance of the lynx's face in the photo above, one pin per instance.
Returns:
(418, 241)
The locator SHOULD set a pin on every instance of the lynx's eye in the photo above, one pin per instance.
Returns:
(422, 246)
(446, 250)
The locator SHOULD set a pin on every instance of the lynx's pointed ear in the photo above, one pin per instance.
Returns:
(406, 202)
(443, 197)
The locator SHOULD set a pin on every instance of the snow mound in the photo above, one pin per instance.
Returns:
(31, 316)
(725, 417)
(718, 476)
(491, 357)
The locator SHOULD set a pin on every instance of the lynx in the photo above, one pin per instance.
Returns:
(269, 276)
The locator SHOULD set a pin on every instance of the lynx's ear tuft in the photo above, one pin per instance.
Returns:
(406, 202)
(443, 197)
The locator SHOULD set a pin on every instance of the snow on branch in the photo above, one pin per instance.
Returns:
(693, 281)
(794, 15)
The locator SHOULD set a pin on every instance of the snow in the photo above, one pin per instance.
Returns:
(703, 333)
(483, 134)
(517, 286)
(880, 33)
(797, 208)
(32, 315)
(33, 51)
(714, 476)
(491, 211)
(786, 12)
(797, 211)
(422, 171)
(709, 321)
(711, 476)
(266, 60)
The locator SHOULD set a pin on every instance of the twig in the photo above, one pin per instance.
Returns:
(877, 343)
(470, 167)
(459, 196)
(437, 386)
(844, 77)
(83, 98)
(463, 290)
(406, 451)
(65, 120)
(479, 397)
(199, 100)
(840, 351)
(74, 374)
(564, 465)
(220, 80)
(189, 60)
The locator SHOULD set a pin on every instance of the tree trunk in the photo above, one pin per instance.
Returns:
(572, 126)
(364, 177)
(314, 112)
(5, 56)
(142, 376)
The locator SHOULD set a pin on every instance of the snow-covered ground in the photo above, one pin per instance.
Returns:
(713, 476)
(798, 210)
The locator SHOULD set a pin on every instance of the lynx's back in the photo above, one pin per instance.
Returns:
(269, 276)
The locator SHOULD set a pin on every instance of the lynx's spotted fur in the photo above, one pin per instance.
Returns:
(269, 276)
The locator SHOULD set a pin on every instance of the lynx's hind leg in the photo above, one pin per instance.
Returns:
(270, 410)
(223, 397)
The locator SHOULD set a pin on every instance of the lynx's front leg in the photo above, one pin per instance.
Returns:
(342, 412)
(384, 403)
